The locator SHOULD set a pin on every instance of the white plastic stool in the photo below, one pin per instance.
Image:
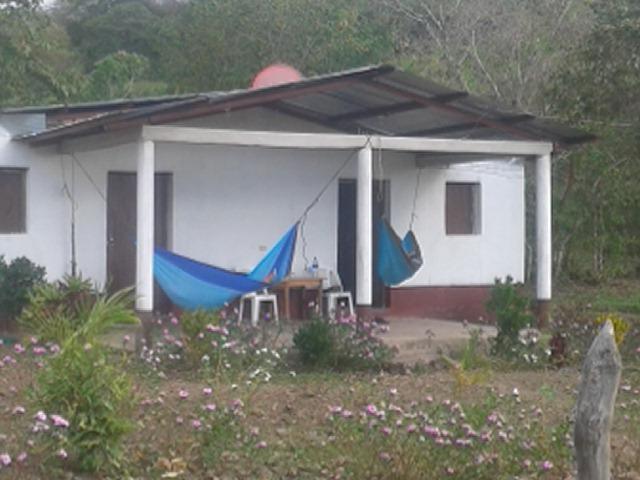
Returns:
(336, 300)
(257, 300)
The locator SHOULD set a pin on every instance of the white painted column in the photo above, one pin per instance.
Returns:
(364, 237)
(543, 227)
(145, 226)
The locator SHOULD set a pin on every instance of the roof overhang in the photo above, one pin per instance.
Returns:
(330, 141)
(377, 100)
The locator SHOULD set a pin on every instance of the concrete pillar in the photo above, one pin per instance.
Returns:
(543, 236)
(364, 237)
(145, 227)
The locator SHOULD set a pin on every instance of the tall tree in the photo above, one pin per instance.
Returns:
(221, 44)
(597, 224)
(36, 65)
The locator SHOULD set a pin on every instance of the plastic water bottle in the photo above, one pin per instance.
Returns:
(314, 267)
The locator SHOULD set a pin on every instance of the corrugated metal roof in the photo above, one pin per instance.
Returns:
(378, 99)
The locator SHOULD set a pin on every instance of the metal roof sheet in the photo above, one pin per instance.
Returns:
(378, 99)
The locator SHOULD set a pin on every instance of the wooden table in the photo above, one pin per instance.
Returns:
(304, 283)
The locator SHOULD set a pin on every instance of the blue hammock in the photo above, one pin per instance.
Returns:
(397, 259)
(192, 285)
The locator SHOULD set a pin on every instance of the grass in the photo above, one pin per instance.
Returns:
(285, 428)
(622, 296)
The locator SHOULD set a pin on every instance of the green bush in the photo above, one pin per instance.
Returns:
(316, 344)
(511, 310)
(17, 278)
(56, 310)
(340, 345)
(95, 396)
(83, 385)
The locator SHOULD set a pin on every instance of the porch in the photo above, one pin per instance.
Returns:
(452, 151)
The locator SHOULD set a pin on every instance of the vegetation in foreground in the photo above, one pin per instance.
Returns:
(211, 399)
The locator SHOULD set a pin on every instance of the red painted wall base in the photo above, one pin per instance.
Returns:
(454, 303)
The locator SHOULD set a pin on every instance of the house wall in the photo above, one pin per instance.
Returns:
(47, 239)
(231, 203)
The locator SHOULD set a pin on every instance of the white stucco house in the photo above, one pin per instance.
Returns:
(224, 174)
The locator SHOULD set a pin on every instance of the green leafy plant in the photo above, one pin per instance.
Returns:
(17, 278)
(56, 310)
(511, 310)
(342, 344)
(83, 385)
(316, 344)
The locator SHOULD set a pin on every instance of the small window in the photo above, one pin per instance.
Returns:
(12, 200)
(463, 209)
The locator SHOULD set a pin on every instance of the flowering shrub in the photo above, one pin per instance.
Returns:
(214, 342)
(341, 344)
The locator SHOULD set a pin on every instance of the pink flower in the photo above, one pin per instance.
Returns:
(55, 348)
(384, 456)
(183, 394)
(371, 409)
(335, 409)
(59, 421)
(196, 424)
(22, 457)
(62, 454)
(206, 391)
(126, 339)
(40, 416)
(33, 340)
(412, 428)
(5, 459)
(18, 348)
(347, 414)
(386, 431)
(261, 444)
(210, 407)
(39, 351)
(174, 320)
(546, 465)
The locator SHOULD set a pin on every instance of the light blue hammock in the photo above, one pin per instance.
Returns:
(193, 285)
(397, 259)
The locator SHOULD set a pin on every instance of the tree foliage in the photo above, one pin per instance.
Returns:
(572, 60)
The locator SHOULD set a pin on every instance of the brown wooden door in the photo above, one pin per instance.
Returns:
(121, 229)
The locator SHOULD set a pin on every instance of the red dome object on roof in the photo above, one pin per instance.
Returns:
(276, 74)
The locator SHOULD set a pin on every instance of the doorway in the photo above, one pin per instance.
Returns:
(121, 229)
(347, 195)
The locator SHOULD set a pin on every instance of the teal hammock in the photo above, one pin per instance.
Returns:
(397, 259)
(193, 285)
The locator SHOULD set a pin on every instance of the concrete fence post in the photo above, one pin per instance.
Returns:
(596, 401)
